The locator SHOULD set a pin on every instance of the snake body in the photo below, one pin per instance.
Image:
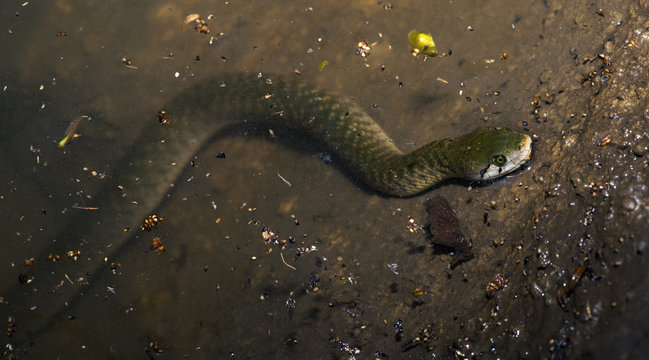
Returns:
(196, 115)
(353, 136)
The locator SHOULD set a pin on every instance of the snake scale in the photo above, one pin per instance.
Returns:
(356, 140)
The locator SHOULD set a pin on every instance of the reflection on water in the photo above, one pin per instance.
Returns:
(268, 250)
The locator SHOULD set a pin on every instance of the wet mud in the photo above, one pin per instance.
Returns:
(272, 251)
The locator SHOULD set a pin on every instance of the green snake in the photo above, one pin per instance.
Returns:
(355, 139)
(196, 115)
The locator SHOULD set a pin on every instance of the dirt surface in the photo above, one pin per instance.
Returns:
(560, 247)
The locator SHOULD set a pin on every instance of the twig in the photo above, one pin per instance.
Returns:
(285, 263)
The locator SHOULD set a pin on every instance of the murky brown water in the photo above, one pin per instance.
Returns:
(219, 290)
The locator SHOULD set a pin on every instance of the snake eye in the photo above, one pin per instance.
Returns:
(499, 160)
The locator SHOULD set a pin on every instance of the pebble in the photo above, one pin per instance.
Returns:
(640, 149)
(629, 204)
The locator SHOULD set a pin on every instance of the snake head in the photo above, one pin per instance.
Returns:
(489, 153)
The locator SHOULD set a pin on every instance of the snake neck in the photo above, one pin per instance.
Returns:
(411, 173)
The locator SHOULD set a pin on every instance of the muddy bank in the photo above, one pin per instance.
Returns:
(594, 197)
(586, 197)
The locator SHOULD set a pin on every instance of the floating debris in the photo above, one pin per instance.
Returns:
(322, 65)
(113, 266)
(74, 254)
(422, 43)
(163, 118)
(285, 263)
(53, 257)
(128, 63)
(393, 267)
(11, 328)
(565, 290)
(71, 131)
(157, 246)
(269, 235)
(605, 140)
(424, 336)
(364, 49)
(398, 329)
(153, 347)
(85, 207)
(288, 183)
(499, 281)
(191, 17)
(412, 226)
(151, 222)
(302, 250)
(61, 34)
(199, 24)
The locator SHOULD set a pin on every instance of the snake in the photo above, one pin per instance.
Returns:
(355, 139)
(202, 110)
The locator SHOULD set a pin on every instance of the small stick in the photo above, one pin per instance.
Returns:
(70, 280)
(85, 207)
(284, 180)
(285, 263)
